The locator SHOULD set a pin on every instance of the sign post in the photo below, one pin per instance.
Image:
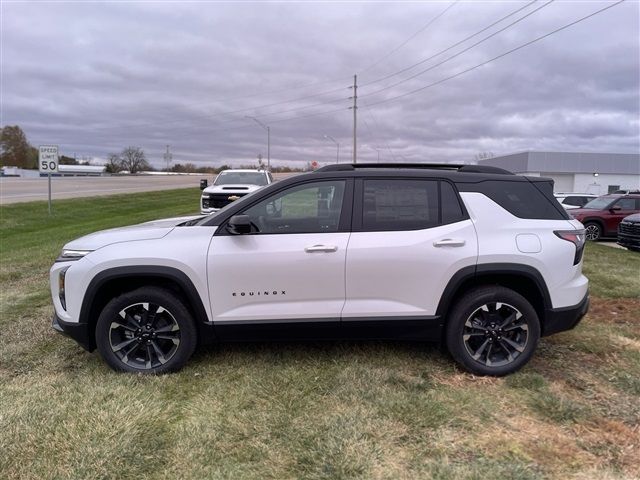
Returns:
(48, 163)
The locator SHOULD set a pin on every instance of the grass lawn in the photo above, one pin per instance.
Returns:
(333, 410)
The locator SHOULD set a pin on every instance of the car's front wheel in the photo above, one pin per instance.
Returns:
(148, 330)
(592, 231)
(492, 331)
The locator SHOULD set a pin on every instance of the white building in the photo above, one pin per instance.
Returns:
(597, 173)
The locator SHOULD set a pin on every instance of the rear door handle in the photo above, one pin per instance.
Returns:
(321, 248)
(449, 242)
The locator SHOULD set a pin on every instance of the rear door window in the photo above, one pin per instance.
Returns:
(399, 204)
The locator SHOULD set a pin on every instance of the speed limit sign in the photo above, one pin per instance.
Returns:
(48, 159)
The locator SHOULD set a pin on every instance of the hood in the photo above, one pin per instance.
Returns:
(231, 189)
(143, 231)
(635, 218)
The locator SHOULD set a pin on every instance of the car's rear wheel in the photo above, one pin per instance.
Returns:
(148, 330)
(592, 231)
(492, 331)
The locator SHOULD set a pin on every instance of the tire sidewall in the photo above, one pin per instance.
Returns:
(470, 302)
(155, 295)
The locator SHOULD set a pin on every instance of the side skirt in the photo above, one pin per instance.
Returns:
(386, 328)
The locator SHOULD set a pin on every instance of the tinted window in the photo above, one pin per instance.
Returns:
(626, 203)
(309, 208)
(522, 199)
(241, 178)
(399, 205)
(600, 203)
(451, 208)
(577, 201)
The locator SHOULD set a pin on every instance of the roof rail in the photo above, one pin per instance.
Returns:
(344, 167)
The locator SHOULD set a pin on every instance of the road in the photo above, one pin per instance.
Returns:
(14, 190)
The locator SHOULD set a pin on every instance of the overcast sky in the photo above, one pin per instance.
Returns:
(95, 77)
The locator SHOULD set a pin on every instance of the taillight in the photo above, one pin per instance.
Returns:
(577, 238)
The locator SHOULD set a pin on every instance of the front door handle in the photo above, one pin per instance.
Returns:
(449, 242)
(321, 248)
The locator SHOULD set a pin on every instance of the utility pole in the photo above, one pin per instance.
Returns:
(268, 129)
(355, 117)
(329, 137)
(167, 157)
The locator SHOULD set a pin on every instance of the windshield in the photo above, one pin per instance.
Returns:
(600, 203)
(241, 178)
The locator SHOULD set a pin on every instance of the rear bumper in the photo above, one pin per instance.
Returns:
(79, 332)
(561, 319)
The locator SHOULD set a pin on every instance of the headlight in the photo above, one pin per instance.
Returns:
(69, 255)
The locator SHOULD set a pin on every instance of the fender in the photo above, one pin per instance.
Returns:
(160, 272)
(476, 272)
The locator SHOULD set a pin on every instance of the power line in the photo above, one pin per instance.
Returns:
(242, 110)
(381, 79)
(421, 72)
(420, 30)
(375, 120)
(258, 94)
(498, 56)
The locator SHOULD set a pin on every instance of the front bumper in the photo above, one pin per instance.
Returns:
(207, 211)
(80, 332)
(628, 241)
(562, 319)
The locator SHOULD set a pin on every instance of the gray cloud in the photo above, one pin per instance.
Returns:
(95, 77)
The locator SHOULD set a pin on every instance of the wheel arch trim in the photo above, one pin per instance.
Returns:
(477, 272)
(152, 271)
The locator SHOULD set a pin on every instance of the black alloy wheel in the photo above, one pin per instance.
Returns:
(144, 335)
(492, 330)
(495, 334)
(147, 330)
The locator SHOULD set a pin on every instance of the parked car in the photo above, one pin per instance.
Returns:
(574, 200)
(629, 232)
(230, 185)
(601, 216)
(476, 257)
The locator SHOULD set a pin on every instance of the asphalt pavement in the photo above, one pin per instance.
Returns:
(16, 189)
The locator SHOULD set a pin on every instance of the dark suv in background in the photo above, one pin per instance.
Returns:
(602, 216)
(629, 232)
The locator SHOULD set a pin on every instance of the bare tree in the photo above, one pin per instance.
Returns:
(114, 164)
(133, 159)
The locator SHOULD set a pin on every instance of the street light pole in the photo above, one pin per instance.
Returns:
(337, 145)
(268, 129)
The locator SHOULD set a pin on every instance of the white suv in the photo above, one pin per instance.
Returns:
(230, 185)
(478, 258)
(572, 201)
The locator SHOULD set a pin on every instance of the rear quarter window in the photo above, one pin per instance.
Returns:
(523, 199)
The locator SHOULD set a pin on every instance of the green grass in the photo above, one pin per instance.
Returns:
(613, 272)
(312, 411)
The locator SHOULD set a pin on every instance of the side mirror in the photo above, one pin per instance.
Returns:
(203, 184)
(239, 225)
(615, 209)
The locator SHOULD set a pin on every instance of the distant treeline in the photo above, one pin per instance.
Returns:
(192, 168)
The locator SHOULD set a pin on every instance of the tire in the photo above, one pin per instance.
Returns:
(593, 231)
(492, 330)
(148, 330)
